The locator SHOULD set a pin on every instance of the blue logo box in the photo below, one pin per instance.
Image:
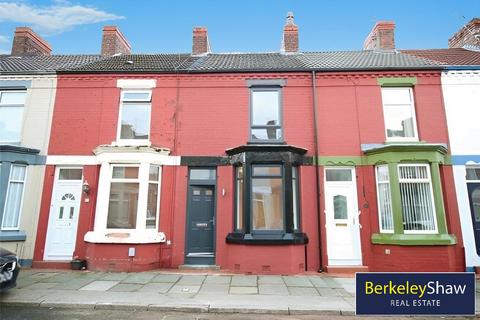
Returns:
(379, 293)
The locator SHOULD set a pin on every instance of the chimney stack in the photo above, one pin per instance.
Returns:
(114, 42)
(200, 45)
(382, 37)
(467, 37)
(26, 42)
(290, 35)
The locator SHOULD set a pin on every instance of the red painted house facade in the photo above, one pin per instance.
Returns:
(275, 163)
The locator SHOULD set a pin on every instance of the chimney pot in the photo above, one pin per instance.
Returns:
(114, 42)
(27, 42)
(382, 37)
(290, 35)
(467, 36)
(200, 44)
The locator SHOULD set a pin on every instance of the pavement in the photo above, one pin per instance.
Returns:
(319, 294)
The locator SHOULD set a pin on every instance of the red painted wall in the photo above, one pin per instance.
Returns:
(205, 114)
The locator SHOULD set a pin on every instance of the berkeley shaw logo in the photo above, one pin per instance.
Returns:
(415, 293)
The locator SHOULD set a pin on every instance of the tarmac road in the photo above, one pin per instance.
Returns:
(43, 313)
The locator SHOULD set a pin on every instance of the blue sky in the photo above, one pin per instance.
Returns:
(233, 26)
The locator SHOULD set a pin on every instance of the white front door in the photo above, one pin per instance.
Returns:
(64, 209)
(341, 209)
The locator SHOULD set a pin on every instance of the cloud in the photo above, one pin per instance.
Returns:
(54, 19)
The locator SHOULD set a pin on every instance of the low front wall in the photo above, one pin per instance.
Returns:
(114, 257)
(391, 258)
(262, 259)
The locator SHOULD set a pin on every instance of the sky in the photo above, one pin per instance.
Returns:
(165, 26)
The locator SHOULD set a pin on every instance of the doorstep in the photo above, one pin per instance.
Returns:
(346, 270)
(198, 267)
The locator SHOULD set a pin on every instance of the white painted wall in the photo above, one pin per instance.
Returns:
(461, 92)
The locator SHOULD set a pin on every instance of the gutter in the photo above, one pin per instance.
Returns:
(317, 170)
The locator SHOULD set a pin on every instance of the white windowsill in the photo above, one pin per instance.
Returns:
(132, 142)
(133, 237)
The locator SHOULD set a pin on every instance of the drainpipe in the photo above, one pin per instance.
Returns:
(317, 169)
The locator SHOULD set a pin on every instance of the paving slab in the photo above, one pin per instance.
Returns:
(297, 281)
(318, 281)
(191, 280)
(156, 287)
(166, 278)
(332, 282)
(112, 276)
(218, 279)
(74, 284)
(303, 291)
(243, 290)
(41, 285)
(244, 281)
(180, 288)
(99, 285)
(273, 289)
(214, 288)
(270, 280)
(126, 287)
(328, 292)
(139, 278)
(62, 277)
(42, 275)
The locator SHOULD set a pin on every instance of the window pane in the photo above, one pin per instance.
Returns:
(396, 96)
(13, 203)
(267, 134)
(473, 173)
(417, 206)
(340, 209)
(476, 204)
(153, 173)
(151, 222)
(265, 108)
(338, 174)
(135, 121)
(136, 96)
(10, 123)
(18, 173)
(239, 199)
(382, 173)
(267, 204)
(13, 97)
(122, 208)
(267, 170)
(70, 174)
(202, 174)
(399, 121)
(413, 172)
(125, 172)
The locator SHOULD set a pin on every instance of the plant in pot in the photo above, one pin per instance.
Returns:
(78, 264)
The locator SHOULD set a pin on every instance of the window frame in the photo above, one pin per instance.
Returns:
(415, 138)
(17, 228)
(127, 102)
(15, 105)
(157, 213)
(280, 126)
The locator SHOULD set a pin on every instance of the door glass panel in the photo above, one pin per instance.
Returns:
(340, 207)
(60, 215)
(196, 192)
(68, 196)
(70, 174)
(339, 175)
(202, 174)
(72, 210)
(208, 192)
(476, 204)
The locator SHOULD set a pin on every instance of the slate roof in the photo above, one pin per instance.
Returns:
(450, 56)
(258, 62)
(43, 64)
(216, 62)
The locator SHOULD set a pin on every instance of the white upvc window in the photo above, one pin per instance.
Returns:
(12, 104)
(384, 198)
(418, 208)
(133, 201)
(14, 199)
(134, 117)
(399, 114)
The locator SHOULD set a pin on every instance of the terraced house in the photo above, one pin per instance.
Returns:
(27, 94)
(276, 162)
